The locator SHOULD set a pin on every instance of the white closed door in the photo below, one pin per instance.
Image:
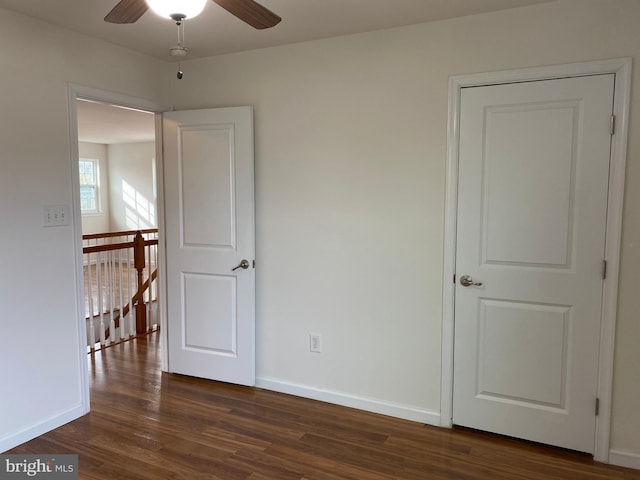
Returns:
(532, 202)
(209, 229)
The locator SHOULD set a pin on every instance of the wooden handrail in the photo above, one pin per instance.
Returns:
(117, 246)
(107, 247)
(136, 296)
(95, 236)
(127, 308)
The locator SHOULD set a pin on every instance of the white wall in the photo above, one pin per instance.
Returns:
(97, 222)
(41, 370)
(350, 161)
(127, 187)
(131, 186)
(350, 178)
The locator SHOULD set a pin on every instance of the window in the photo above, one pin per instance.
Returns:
(89, 194)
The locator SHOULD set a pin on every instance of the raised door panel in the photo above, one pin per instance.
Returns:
(206, 162)
(528, 176)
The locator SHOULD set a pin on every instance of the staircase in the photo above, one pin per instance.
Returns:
(120, 279)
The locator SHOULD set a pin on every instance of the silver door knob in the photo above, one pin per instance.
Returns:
(467, 281)
(244, 264)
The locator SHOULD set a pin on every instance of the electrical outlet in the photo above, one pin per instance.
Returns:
(315, 342)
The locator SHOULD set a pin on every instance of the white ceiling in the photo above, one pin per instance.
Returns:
(106, 124)
(216, 32)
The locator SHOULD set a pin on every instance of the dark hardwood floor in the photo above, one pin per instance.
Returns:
(148, 425)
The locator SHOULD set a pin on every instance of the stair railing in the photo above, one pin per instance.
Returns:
(121, 291)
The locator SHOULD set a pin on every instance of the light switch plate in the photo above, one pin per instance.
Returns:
(55, 215)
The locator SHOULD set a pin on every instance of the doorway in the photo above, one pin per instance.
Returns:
(98, 98)
(226, 135)
(620, 72)
(118, 201)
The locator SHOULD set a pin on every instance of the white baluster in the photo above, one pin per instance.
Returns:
(120, 293)
(110, 292)
(92, 328)
(100, 297)
(150, 266)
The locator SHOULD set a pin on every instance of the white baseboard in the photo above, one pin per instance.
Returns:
(624, 459)
(348, 400)
(15, 439)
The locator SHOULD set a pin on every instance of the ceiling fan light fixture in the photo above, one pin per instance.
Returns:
(174, 9)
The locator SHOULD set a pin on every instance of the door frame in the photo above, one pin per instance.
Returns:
(81, 92)
(621, 67)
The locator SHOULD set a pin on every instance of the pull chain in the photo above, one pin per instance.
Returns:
(181, 50)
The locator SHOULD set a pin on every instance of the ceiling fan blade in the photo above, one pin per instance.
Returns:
(250, 12)
(127, 11)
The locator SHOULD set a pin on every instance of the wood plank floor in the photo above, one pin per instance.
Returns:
(148, 425)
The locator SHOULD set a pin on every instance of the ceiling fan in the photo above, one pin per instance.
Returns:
(249, 11)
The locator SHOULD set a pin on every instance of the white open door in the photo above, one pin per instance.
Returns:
(210, 243)
(532, 206)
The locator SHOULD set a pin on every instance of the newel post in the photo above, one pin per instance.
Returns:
(139, 264)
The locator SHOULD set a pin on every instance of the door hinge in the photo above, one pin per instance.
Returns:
(597, 406)
(604, 269)
(612, 126)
